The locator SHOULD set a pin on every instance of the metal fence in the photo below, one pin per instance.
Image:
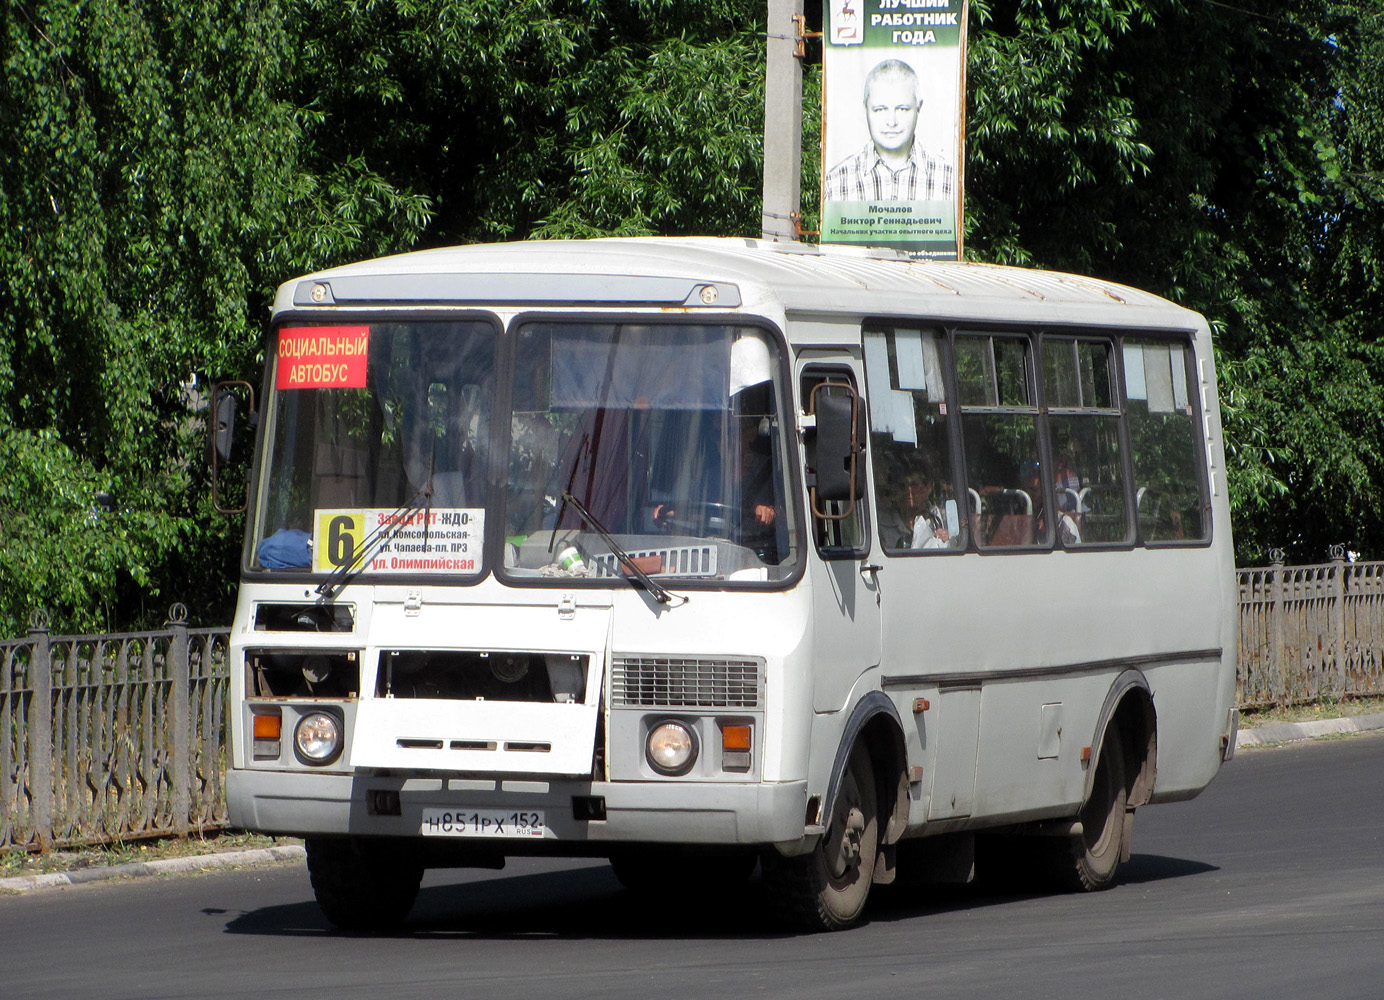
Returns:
(112, 737)
(1311, 632)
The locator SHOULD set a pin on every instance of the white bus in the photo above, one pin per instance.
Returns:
(695, 553)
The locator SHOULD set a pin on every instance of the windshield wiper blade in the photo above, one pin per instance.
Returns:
(373, 542)
(660, 592)
(567, 493)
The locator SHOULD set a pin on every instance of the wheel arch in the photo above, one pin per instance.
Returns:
(1129, 710)
(874, 722)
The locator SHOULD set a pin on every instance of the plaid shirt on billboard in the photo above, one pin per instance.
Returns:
(865, 177)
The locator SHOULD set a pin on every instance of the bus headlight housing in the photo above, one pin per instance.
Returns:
(671, 747)
(317, 738)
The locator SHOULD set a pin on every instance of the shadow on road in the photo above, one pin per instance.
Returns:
(1141, 868)
(904, 902)
(588, 903)
(581, 903)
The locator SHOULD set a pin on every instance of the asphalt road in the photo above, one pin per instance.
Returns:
(1269, 885)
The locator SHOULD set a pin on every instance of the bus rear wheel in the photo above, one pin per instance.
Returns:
(363, 883)
(826, 889)
(1086, 862)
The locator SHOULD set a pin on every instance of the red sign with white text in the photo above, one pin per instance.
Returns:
(322, 357)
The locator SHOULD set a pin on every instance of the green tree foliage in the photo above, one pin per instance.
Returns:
(173, 161)
(1230, 156)
(542, 118)
(151, 192)
(167, 164)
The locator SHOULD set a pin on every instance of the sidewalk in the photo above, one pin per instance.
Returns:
(1283, 732)
(168, 866)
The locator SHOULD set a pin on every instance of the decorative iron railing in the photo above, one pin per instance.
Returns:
(112, 737)
(1311, 632)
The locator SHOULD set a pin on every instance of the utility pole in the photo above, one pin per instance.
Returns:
(783, 122)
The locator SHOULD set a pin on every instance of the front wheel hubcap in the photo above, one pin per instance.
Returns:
(848, 844)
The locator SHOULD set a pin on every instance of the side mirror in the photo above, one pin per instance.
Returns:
(224, 429)
(837, 409)
(224, 406)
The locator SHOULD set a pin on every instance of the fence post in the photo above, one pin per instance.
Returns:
(1338, 617)
(40, 727)
(1280, 661)
(180, 718)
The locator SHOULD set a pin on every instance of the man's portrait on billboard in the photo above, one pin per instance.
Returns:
(894, 165)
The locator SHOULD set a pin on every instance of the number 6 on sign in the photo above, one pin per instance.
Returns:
(337, 537)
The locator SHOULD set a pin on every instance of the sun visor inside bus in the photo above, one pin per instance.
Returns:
(517, 289)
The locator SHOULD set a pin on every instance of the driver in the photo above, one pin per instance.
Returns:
(756, 479)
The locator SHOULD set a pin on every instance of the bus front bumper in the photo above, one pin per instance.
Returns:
(667, 812)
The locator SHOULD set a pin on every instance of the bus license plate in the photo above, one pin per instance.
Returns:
(483, 823)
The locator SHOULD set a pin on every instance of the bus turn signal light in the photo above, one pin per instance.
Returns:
(735, 747)
(735, 737)
(266, 728)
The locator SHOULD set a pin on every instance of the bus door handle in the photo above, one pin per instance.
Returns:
(870, 569)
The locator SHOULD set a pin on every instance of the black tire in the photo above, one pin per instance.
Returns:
(1088, 861)
(826, 889)
(362, 883)
(649, 872)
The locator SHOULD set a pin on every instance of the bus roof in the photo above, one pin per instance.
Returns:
(695, 274)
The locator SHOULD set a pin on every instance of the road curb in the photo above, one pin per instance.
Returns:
(167, 866)
(1288, 732)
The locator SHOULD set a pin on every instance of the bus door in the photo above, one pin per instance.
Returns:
(845, 592)
(921, 522)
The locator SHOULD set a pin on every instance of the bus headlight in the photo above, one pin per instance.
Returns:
(317, 738)
(671, 748)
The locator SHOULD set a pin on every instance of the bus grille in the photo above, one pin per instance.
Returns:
(689, 560)
(678, 682)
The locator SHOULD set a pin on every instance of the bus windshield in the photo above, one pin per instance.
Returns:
(378, 452)
(370, 425)
(668, 435)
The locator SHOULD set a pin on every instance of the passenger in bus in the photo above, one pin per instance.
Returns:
(1068, 520)
(1073, 489)
(912, 520)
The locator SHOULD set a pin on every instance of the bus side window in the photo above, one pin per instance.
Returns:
(836, 536)
(999, 425)
(1164, 440)
(916, 506)
(1084, 427)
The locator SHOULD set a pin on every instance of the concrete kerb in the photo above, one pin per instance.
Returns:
(1287, 732)
(167, 866)
(1282, 732)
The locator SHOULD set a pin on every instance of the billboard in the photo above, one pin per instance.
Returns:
(893, 124)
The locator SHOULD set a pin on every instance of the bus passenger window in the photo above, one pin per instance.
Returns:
(1170, 495)
(999, 425)
(1084, 424)
(916, 503)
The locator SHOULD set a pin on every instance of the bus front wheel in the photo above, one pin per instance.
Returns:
(826, 889)
(363, 883)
